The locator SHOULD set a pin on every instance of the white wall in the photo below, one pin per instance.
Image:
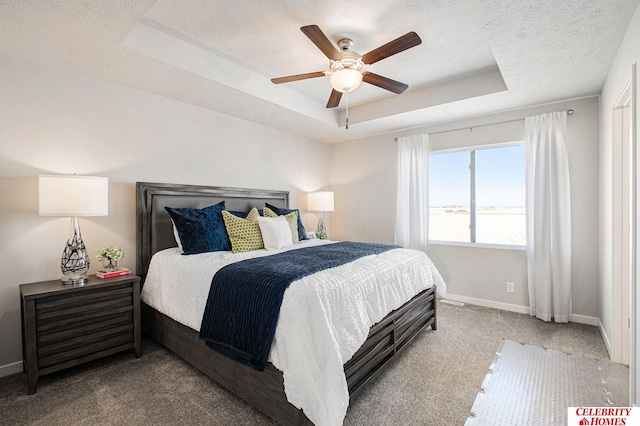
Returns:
(363, 176)
(55, 121)
(619, 75)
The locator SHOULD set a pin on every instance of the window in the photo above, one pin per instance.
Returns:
(478, 196)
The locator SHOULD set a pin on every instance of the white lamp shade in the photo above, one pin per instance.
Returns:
(70, 195)
(320, 201)
(346, 80)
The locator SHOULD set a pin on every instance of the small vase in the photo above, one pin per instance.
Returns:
(109, 264)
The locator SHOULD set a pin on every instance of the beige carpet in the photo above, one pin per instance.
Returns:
(435, 382)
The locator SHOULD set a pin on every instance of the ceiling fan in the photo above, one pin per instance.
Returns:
(346, 67)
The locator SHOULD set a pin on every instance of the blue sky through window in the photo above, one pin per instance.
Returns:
(449, 179)
(500, 178)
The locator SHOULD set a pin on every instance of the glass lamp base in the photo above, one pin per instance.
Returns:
(75, 260)
(74, 281)
(321, 231)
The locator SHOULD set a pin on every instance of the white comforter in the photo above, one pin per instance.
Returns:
(324, 318)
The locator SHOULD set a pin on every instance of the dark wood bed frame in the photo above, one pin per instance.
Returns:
(262, 389)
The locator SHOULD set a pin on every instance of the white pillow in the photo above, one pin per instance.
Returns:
(276, 232)
(176, 235)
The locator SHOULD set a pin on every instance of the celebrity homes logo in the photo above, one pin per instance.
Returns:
(603, 416)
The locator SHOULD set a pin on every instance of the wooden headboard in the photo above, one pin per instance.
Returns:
(153, 224)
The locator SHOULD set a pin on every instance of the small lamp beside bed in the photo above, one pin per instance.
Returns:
(73, 196)
(321, 201)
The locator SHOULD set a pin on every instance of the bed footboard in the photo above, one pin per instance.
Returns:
(264, 389)
(389, 337)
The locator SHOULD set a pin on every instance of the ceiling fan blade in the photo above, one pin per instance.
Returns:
(297, 77)
(384, 82)
(318, 38)
(334, 99)
(398, 45)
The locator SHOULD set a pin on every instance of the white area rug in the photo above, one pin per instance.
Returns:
(529, 385)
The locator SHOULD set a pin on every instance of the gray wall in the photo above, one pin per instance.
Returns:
(363, 176)
(55, 122)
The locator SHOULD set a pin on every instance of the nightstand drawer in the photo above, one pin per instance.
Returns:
(50, 336)
(58, 354)
(57, 302)
(64, 325)
(58, 311)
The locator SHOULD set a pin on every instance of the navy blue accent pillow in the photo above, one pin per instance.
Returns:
(201, 230)
(302, 233)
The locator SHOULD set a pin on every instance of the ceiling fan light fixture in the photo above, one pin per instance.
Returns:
(346, 80)
(346, 66)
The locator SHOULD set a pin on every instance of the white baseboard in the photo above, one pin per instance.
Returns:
(9, 369)
(581, 319)
(489, 303)
(584, 319)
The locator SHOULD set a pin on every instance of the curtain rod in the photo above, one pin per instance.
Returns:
(569, 112)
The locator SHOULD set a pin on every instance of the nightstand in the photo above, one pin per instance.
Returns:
(65, 325)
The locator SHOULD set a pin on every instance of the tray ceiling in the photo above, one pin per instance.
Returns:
(476, 56)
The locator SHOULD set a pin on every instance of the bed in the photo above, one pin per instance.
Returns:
(262, 389)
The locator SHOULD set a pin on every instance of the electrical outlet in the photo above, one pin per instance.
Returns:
(511, 287)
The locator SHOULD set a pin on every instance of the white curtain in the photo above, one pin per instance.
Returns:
(412, 208)
(548, 217)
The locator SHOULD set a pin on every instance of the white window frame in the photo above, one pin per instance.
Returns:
(472, 195)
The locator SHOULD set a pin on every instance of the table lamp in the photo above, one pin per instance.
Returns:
(73, 196)
(321, 201)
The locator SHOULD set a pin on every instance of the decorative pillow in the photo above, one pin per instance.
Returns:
(244, 234)
(276, 232)
(302, 233)
(292, 220)
(200, 230)
(244, 214)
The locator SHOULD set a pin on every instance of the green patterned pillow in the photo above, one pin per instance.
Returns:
(292, 220)
(244, 234)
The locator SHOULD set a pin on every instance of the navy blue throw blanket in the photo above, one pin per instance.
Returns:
(244, 301)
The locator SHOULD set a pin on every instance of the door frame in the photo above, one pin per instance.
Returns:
(623, 253)
(634, 356)
(626, 236)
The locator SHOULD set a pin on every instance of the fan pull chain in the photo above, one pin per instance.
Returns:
(347, 114)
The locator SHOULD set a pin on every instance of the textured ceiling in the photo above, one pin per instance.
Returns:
(476, 56)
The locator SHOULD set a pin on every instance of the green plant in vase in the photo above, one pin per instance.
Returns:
(109, 256)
